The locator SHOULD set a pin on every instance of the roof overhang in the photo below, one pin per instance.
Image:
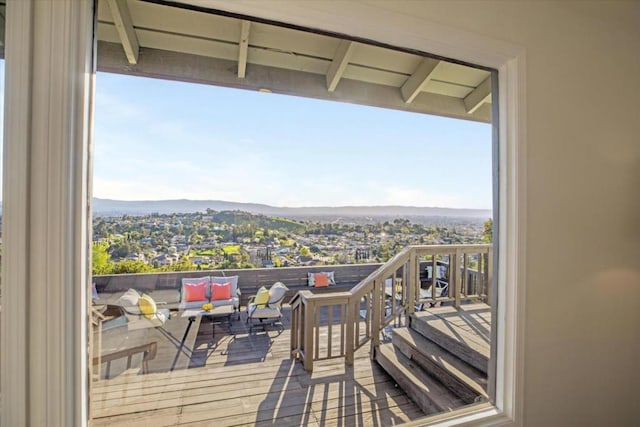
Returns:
(178, 41)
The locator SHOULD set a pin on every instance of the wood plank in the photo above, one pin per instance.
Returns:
(421, 76)
(465, 381)
(457, 331)
(211, 385)
(427, 392)
(478, 96)
(124, 27)
(243, 48)
(290, 402)
(225, 391)
(339, 63)
(194, 67)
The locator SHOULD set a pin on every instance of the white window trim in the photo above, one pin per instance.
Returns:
(48, 94)
(45, 220)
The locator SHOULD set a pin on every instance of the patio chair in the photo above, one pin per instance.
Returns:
(266, 306)
(141, 311)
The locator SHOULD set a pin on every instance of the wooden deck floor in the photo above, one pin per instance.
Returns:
(239, 378)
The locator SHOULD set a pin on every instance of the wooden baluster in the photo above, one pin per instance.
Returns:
(343, 332)
(465, 274)
(454, 277)
(489, 274)
(316, 331)
(329, 330)
(369, 318)
(434, 275)
(377, 307)
(480, 275)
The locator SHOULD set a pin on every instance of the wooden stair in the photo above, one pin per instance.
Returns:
(427, 392)
(441, 327)
(437, 361)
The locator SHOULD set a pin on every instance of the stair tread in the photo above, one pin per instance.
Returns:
(449, 364)
(472, 324)
(464, 344)
(426, 391)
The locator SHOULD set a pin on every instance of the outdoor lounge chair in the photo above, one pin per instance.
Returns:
(268, 312)
(136, 318)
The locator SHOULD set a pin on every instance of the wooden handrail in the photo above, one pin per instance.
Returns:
(380, 307)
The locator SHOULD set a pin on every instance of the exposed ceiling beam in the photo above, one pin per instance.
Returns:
(204, 70)
(243, 49)
(124, 26)
(478, 96)
(414, 84)
(339, 64)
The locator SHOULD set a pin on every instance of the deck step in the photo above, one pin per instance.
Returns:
(463, 344)
(465, 381)
(427, 392)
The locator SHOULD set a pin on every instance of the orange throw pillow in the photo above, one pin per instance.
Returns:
(320, 280)
(195, 291)
(220, 291)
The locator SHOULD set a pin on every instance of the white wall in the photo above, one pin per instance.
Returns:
(583, 178)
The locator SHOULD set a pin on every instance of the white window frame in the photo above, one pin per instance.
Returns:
(48, 94)
(48, 98)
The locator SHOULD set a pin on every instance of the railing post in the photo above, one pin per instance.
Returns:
(414, 279)
(378, 288)
(350, 332)
(295, 331)
(455, 280)
(309, 315)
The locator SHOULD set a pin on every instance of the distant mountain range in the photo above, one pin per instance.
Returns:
(107, 207)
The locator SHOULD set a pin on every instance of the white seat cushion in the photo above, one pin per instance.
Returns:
(263, 313)
(129, 300)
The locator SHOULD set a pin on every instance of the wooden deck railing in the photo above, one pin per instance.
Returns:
(148, 351)
(395, 288)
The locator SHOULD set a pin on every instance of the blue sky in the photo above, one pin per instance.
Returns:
(157, 139)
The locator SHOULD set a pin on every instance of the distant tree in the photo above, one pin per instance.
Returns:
(244, 261)
(123, 247)
(130, 266)
(184, 264)
(100, 259)
(487, 231)
(195, 238)
(304, 251)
